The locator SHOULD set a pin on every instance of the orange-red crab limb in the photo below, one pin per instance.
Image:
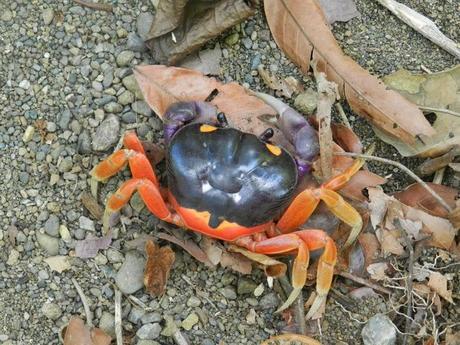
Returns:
(302, 241)
(305, 203)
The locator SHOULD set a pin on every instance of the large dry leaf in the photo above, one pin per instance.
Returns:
(77, 333)
(388, 209)
(417, 196)
(437, 90)
(286, 339)
(182, 27)
(157, 267)
(163, 86)
(300, 29)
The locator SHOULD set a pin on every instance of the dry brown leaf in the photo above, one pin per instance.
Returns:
(370, 247)
(452, 337)
(273, 267)
(378, 206)
(77, 333)
(377, 270)
(182, 26)
(346, 138)
(300, 29)
(236, 262)
(91, 204)
(163, 86)
(417, 196)
(157, 267)
(281, 86)
(58, 263)
(441, 231)
(390, 241)
(189, 246)
(438, 283)
(435, 90)
(212, 249)
(285, 339)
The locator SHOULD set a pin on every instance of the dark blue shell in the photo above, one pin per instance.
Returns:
(231, 174)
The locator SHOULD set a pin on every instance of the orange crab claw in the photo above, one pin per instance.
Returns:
(305, 203)
(303, 242)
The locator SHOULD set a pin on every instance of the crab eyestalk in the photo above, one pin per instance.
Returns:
(182, 113)
(297, 131)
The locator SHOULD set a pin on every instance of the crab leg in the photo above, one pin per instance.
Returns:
(303, 242)
(305, 203)
(133, 154)
(149, 193)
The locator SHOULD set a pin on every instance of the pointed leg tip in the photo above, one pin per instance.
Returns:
(317, 303)
(292, 297)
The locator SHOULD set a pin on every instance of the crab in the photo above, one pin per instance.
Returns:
(238, 187)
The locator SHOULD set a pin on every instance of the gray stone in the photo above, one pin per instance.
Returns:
(52, 226)
(151, 317)
(106, 134)
(269, 301)
(48, 243)
(13, 257)
(51, 311)
(130, 277)
(193, 302)
(142, 108)
(48, 15)
(135, 315)
(190, 321)
(149, 331)
(246, 286)
(135, 43)
(86, 223)
(65, 165)
(107, 323)
(129, 117)
(130, 83)
(126, 98)
(379, 330)
(64, 119)
(6, 15)
(228, 292)
(84, 142)
(144, 22)
(124, 58)
(113, 107)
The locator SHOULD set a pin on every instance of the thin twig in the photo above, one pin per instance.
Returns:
(118, 327)
(84, 301)
(300, 314)
(409, 280)
(364, 282)
(342, 114)
(403, 168)
(95, 6)
(439, 175)
(439, 110)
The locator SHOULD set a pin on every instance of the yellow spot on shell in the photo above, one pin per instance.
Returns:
(207, 128)
(274, 149)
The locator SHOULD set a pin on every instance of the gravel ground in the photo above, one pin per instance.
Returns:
(65, 74)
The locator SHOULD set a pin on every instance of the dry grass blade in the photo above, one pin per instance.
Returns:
(300, 29)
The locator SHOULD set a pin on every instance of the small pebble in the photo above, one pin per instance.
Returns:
(149, 331)
(51, 311)
(190, 321)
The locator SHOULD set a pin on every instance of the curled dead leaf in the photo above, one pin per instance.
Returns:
(377, 270)
(300, 29)
(272, 267)
(438, 283)
(157, 267)
(236, 262)
(189, 246)
(91, 204)
(417, 196)
(77, 333)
